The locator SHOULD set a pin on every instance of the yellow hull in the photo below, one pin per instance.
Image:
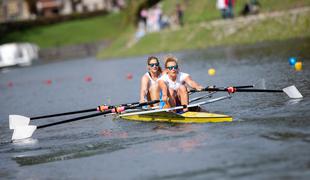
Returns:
(188, 117)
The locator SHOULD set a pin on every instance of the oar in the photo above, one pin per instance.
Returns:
(209, 95)
(291, 91)
(22, 132)
(18, 120)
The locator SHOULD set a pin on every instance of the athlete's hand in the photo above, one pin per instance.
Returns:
(210, 87)
(199, 88)
(231, 90)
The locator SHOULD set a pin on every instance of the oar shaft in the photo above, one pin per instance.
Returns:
(249, 86)
(74, 119)
(63, 114)
(244, 90)
(97, 114)
(258, 90)
(220, 88)
(78, 112)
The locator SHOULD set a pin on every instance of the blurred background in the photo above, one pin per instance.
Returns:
(68, 29)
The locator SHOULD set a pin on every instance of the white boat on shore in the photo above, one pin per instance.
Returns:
(18, 54)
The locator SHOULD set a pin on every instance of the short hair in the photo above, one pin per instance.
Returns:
(170, 58)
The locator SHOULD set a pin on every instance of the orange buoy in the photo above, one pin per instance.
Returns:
(298, 66)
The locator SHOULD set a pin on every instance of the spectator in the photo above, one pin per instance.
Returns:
(251, 7)
(220, 4)
(143, 16)
(180, 14)
(255, 6)
(230, 8)
(165, 22)
(152, 20)
(140, 31)
(158, 14)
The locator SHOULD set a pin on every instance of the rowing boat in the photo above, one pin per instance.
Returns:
(169, 115)
(187, 117)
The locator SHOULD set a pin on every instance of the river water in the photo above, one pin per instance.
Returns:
(268, 139)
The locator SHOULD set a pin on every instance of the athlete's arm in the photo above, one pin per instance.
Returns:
(164, 90)
(143, 88)
(193, 83)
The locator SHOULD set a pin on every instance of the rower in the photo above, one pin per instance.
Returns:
(176, 82)
(150, 88)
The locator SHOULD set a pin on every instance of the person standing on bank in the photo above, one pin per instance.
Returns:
(180, 14)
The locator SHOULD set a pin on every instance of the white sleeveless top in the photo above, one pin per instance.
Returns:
(151, 80)
(177, 83)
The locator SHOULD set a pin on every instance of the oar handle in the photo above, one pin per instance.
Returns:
(103, 108)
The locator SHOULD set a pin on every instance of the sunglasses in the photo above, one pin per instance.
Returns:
(154, 64)
(173, 67)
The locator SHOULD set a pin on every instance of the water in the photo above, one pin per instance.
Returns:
(269, 138)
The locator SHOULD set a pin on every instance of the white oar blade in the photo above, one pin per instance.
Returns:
(292, 92)
(23, 132)
(18, 120)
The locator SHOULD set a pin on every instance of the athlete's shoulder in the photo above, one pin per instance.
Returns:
(163, 77)
(145, 76)
(183, 75)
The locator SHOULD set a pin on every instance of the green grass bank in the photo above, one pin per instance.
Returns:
(277, 26)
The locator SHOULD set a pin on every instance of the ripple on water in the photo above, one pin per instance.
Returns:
(287, 136)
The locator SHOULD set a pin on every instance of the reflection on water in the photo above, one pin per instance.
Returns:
(25, 142)
(183, 145)
(293, 101)
(110, 141)
(285, 136)
(268, 139)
